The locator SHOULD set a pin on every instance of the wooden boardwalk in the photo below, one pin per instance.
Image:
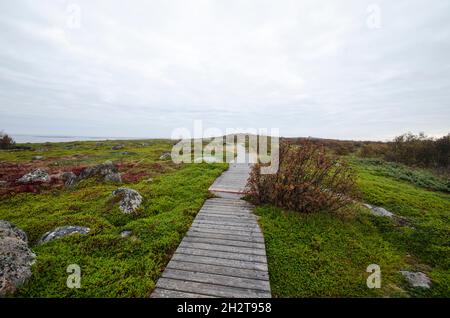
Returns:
(223, 253)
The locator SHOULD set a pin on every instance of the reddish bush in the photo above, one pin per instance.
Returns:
(308, 180)
(420, 150)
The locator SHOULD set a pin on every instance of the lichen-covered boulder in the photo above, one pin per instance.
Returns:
(379, 211)
(63, 231)
(69, 178)
(37, 175)
(165, 156)
(417, 279)
(107, 170)
(16, 258)
(130, 200)
(125, 233)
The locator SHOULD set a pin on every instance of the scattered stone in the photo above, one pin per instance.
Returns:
(38, 158)
(70, 179)
(16, 258)
(63, 231)
(125, 233)
(37, 175)
(378, 211)
(108, 170)
(3, 183)
(98, 144)
(165, 156)
(417, 279)
(117, 147)
(130, 200)
(113, 177)
(42, 149)
(148, 180)
(126, 153)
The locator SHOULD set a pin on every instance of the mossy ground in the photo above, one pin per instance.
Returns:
(111, 266)
(326, 255)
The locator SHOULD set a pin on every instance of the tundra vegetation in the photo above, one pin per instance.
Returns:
(319, 237)
(318, 247)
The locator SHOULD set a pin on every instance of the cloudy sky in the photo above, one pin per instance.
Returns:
(349, 69)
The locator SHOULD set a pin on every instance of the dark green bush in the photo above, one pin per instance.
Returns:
(6, 141)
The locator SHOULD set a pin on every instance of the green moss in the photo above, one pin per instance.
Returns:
(111, 266)
(325, 255)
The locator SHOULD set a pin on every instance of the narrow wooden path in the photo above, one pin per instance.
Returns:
(223, 253)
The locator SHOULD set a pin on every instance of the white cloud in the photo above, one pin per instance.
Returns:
(148, 67)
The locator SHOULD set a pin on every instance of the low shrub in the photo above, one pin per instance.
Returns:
(308, 180)
(6, 141)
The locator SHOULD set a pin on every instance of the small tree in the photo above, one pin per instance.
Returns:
(6, 141)
(308, 180)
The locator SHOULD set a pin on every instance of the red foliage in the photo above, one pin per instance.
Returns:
(308, 180)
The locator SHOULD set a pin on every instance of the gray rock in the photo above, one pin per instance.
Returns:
(125, 233)
(63, 231)
(38, 158)
(417, 279)
(37, 175)
(117, 147)
(108, 170)
(10, 230)
(70, 179)
(113, 177)
(130, 200)
(3, 183)
(165, 156)
(16, 258)
(378, 211)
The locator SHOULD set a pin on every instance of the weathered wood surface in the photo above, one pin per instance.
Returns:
(223, 253)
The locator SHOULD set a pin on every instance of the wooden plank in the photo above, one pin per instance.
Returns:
(210, 289)
(234, 237)
(231, 228)
(247, 224)
(166, 293)
(216, 279)
(218, 269)
(220, 261)
(224, 242)
(226, 255)
(243, 235)
(223, 248)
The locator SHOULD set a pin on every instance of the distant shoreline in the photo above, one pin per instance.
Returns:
(43, 138)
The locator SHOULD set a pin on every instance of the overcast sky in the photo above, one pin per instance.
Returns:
(333, 69)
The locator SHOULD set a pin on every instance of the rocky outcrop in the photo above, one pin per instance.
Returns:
(37, 175)
(16, 258)
(117, 147)
(108, 171)
(417, 279)
(130, 200)
(63, 231)
(165, 156)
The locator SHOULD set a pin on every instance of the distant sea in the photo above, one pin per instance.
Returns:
(43, 138)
